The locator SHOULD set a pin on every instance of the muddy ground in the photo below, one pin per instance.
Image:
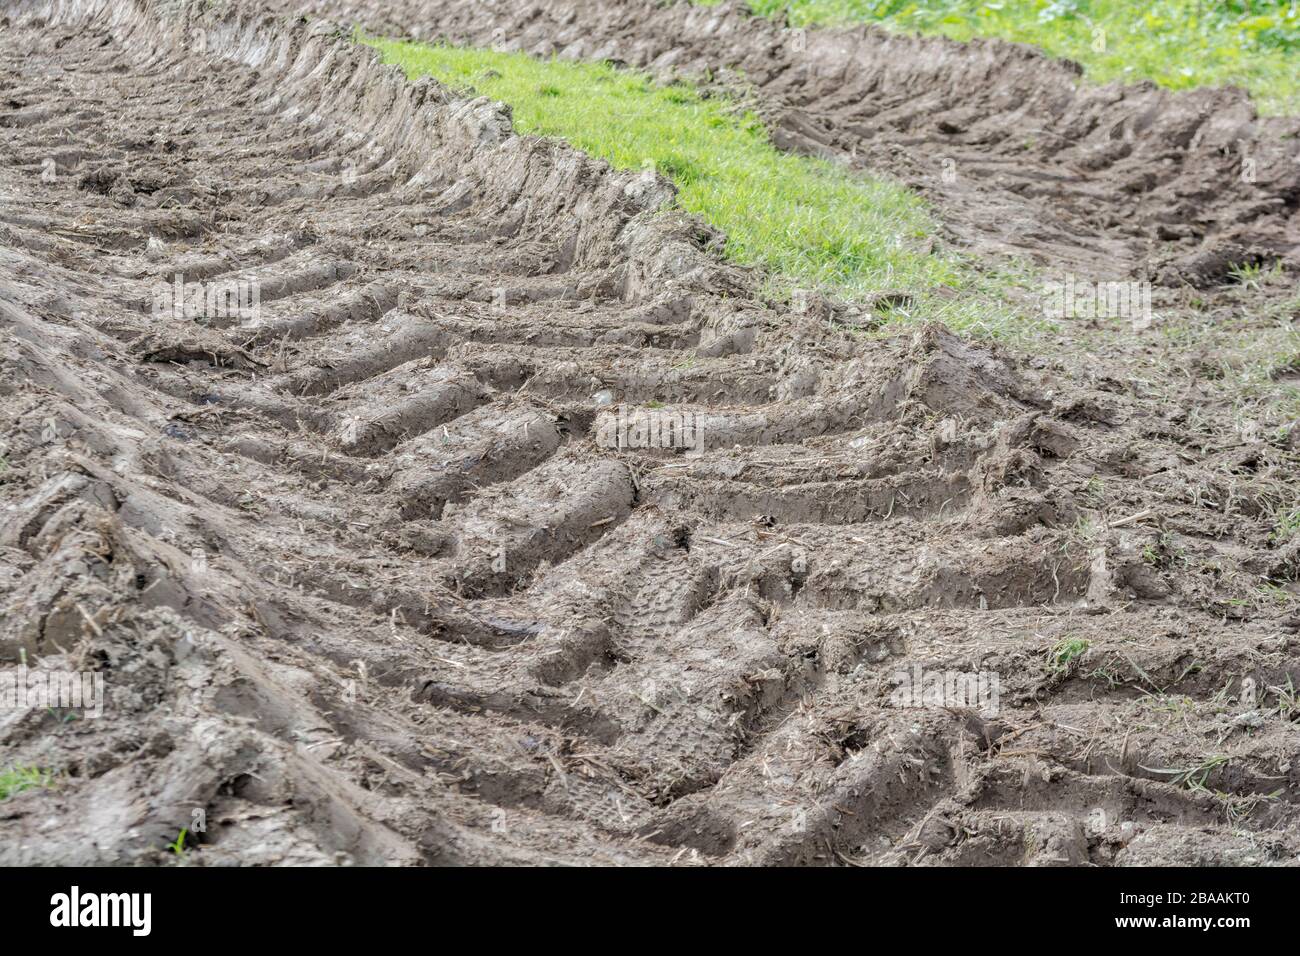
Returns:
(366, 583)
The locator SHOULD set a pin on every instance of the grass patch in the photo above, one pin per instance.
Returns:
(1247, 360)
(1177, 43)
(1288, 700)
(1193, 778)
(811, 224)
(17, 779)
(1288, 524)
(1064, 654)
(177, 846)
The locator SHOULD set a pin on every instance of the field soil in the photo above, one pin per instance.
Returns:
(368, 582)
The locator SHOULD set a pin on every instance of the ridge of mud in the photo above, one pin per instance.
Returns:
(367, 581)
(1021, 156)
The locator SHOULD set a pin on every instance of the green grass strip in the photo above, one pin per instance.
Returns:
(809, 223)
